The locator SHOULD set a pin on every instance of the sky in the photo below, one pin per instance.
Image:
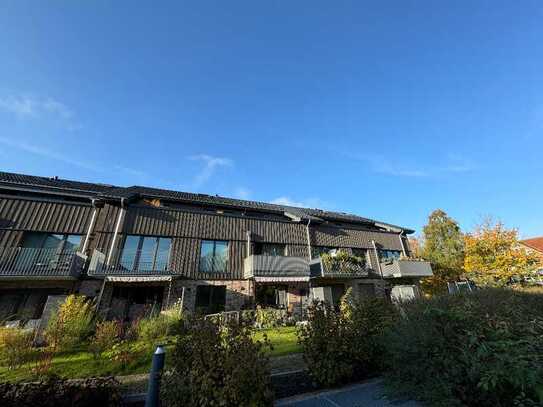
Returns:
(386, 109)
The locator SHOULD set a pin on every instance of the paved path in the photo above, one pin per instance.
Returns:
(367, 394)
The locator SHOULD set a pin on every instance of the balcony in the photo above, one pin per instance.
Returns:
(39, 264)
(129, 264)
(406, 268)
(276, 268)
(342, 265)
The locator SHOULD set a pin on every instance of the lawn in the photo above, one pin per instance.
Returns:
(80, 363)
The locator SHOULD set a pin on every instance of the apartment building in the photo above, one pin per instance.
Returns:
(134, 249)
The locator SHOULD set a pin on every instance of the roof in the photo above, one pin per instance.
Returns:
(105, 191)
(535, 243)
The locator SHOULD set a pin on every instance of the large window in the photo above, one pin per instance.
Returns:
(316, 251)
(389, 255)
(47, 249)
(213, 256)
(210, 298)
(270, 249)
(146, 253)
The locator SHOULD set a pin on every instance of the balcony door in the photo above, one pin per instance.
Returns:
(146, 253)
(46, 250)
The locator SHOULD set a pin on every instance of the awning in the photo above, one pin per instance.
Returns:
(137, 279)
(277, 279)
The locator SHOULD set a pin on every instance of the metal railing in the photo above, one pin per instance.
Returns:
(263, 266)
(337, 269)
(137, 262)
(406, 268)
(33, 262)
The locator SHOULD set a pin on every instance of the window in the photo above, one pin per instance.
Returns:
(270, 249)
(146, 253)
(213, 256)
(41, 249)
(210, 298)
(389, 255)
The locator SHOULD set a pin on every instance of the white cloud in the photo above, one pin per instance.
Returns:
(390, 166)
(210, 166)
(49, 154)
(31, 107)
(305, 203)
(242, 193)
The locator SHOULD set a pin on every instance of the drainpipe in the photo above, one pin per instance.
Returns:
(248, 243)
(377, 257)
(91, 226)
(308, 238)
(401, 242)
(117, 227)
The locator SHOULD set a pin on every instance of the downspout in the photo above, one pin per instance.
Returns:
(117, 227)
(377, 257)
(248, 243)
(401, 242)
(308, 239)
(91, 227)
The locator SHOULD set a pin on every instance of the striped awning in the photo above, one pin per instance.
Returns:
(281, 279)
(137, 279)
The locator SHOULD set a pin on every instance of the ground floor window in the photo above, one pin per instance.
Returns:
(133, 302)
(210, 299)
(25, 304)
(274, 296)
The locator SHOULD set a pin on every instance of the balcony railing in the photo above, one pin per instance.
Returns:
(276, 268)
(134, 263)
(27, 262)
(340, 266)
(406, 268)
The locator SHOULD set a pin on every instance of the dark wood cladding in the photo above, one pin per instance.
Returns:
(44, 216)
(342, 237)
(175, 223)
(185, 259)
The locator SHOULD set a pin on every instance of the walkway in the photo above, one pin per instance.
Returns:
(367, 394)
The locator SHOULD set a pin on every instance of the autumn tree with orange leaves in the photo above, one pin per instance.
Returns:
(493, 256)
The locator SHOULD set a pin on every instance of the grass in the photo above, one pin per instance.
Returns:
(283, 340)
(80, 363)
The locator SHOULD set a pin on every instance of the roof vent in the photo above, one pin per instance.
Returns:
(55, 178)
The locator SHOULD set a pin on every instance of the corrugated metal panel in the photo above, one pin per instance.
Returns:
(45, 216)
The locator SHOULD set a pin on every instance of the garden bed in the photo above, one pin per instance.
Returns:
(81, 363)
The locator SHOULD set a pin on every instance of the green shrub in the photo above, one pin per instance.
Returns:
(217, 365)
(16, 347)
(107, 334)
(157, 327)
(72, 324)
(479, 349)
(344, 345)
(55, 392)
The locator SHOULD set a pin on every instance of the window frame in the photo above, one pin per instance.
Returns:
(214, 256)
(136, 258)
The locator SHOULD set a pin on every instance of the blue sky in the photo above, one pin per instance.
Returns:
(386, 109)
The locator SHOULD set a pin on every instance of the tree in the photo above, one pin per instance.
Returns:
(443, 247)
(494, 257)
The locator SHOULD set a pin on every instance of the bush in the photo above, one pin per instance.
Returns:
(153, 328)
(479, 349)
(107, 334)
(16, 347)
(344, 345)
(101, 391)
(72, 324)
(216, 364)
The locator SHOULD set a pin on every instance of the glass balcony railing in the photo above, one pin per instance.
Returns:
(27, 262)
(129, 263)
(276, 268)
